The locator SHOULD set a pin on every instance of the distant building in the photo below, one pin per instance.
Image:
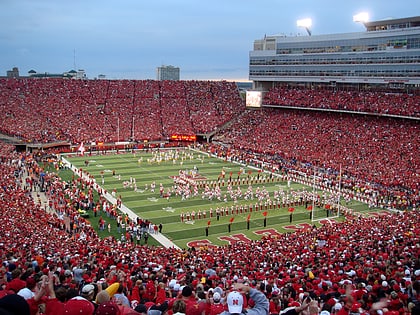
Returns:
(167, 73)
(72, 74)
(14, 73)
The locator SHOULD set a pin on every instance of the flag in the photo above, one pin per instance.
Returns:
(309, 208)
(231, 219)
(291, 209)
(81, 149)
(249, 217)
(265, 213)
(208, 222)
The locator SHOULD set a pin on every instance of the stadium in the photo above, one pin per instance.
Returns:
(159, 191)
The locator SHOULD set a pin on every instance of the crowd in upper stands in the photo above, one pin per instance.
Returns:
(49, 110)
(391, 103)
(365, 265)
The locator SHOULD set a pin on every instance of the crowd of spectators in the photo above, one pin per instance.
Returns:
(371, 152)
(378, 102)
(365, 265)
(49, 110)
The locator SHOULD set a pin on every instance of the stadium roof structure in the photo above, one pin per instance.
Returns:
(388, 24)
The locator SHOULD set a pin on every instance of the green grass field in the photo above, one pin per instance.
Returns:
(146, 168)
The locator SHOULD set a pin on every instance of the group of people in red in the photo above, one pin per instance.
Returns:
(389, 102)
(104, 110)
(373, 153)
(364, 265)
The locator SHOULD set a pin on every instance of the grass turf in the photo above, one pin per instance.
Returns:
(146, 168)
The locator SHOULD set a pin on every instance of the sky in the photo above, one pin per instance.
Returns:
(129, 39)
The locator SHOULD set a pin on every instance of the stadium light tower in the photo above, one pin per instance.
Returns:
(361, 17)
(306, 23)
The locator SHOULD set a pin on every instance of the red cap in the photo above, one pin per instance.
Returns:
(78, 306)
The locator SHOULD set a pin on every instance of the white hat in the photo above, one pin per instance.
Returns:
(26, 293)
(219, 290)
(337, 306)
(235, 301)
(88, 289)
(216, 296)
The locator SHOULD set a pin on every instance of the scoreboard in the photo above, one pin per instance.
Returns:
(190, 138)
(253, 98)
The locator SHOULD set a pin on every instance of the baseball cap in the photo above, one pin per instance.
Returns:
(107, 308)
(88, 288)
(219, 290)
(26, 293)
(235, 301)
(78, 306)
(216, 296)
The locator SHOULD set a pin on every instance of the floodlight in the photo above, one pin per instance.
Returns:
(306, 23)
(361, 17)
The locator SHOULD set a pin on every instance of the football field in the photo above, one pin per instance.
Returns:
(183, 188)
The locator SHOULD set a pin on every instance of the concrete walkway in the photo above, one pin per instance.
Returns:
(159, 237)
(40, 198)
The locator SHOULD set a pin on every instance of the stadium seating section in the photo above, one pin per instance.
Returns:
(386, 102)
(49, 110)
